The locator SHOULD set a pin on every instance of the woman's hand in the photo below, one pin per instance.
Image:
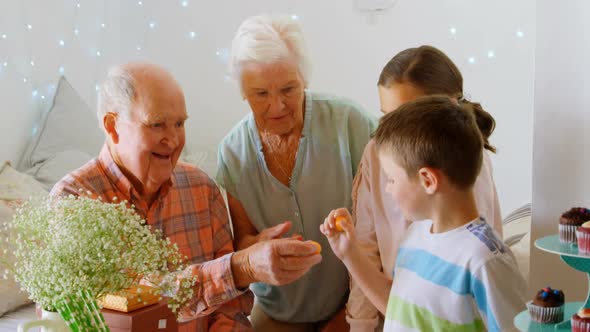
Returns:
(339, 230)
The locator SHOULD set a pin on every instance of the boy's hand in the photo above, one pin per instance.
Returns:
(338, 228)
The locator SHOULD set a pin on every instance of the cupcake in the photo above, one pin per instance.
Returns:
(547, 306)
(581, 321)
(583, 236)
(570, 221)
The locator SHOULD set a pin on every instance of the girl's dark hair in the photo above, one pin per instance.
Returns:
(430, 70)
(433, 131)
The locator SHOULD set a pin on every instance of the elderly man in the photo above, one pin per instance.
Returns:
(142, 111)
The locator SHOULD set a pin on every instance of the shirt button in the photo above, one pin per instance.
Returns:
(296, 214)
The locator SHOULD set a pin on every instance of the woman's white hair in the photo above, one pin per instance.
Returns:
(268, 39)
(116, 94)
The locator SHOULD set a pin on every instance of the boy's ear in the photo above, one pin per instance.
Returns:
(110, 126)
(429, 179)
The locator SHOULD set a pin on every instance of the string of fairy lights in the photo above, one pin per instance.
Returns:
(26, 74)
(490, 54)
(75, 34)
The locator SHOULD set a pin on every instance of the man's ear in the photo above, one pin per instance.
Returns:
(110, 126)
(429, 179)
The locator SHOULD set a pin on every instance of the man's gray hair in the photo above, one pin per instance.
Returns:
(268, 39)
(116, 94)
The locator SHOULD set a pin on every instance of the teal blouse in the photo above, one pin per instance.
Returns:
(335, 133)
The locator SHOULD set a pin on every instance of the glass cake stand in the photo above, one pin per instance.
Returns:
(571, 256)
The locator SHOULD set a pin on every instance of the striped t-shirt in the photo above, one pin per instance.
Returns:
(465, 279)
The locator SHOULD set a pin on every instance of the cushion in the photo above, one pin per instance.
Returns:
(69, 128)
(517, 224)
(522, 253)
(15, 187)
(522, 211)
(200, 155)
(12, 297)
(195, 158)
(55, 168)
(517, 235)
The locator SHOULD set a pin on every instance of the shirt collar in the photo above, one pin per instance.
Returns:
(118, 178)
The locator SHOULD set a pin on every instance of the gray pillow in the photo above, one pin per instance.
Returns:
(67, 137)
(521, 212)
(55, 168)
(516, 225)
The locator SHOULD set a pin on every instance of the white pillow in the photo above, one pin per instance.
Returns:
(55, 168)
(200, 156)
(69, 125)
(15, 188)
(522, 253)
(520, 231)
(196, 159)
(12, 297)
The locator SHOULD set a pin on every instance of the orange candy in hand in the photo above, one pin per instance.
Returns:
(319, 249)
(338, 223)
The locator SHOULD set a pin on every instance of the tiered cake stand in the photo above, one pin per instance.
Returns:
(571, 256)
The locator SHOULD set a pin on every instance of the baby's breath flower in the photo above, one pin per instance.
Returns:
(56, 247)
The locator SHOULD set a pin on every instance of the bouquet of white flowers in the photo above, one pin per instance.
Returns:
(67, 252)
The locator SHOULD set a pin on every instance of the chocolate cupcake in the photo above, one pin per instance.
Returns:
(583, 236)
(581, 320)
(547, 306)
(570, 221)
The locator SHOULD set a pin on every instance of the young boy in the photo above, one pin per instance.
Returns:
(452, 272)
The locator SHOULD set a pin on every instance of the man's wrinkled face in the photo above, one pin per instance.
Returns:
(151, 140)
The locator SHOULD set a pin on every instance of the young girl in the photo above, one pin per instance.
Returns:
(380, 226)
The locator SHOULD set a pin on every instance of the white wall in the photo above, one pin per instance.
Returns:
(21, 103)
(561, 139)
(348, 50)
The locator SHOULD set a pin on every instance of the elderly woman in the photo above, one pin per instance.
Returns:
(285, 166)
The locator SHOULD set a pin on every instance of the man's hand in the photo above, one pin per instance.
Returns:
(276, 262)
(339, 230)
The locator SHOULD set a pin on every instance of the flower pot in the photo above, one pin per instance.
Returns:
(49, 322)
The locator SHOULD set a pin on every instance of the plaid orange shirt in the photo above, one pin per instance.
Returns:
(191, 212)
